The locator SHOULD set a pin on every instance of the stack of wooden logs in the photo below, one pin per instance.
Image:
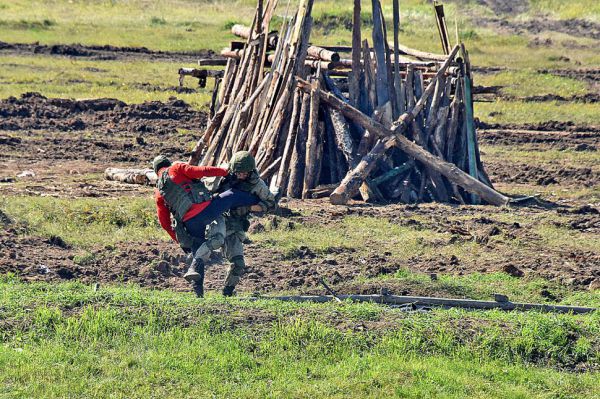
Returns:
(388, 123)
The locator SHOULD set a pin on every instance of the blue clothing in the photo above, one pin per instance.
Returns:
(227, 200)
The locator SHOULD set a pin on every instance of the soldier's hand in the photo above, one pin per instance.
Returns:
(256, 208)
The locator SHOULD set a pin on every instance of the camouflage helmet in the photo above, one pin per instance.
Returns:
(242, 161)
(160, 161)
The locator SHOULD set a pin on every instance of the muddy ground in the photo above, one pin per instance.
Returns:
(67, 144)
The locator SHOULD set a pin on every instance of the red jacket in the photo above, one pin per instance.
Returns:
(183, 173)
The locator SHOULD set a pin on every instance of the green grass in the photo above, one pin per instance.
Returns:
(582, 9)
(86, 222)
(66, 339)
(165, 24)
(132, 82)
(525, 83)
(178, 25)
(522, 154)
(519, 112)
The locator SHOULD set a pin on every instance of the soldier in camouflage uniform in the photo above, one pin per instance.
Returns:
(243, 167)
(231, 230)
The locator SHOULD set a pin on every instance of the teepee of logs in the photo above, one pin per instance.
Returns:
(388, 123)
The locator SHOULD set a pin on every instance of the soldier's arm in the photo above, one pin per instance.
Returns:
(198, 172)
(267, 201)
(164, 215)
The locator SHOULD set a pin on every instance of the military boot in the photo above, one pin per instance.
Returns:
(228, 290)
(198, 287)
(193, 272)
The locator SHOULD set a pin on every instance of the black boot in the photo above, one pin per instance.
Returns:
(193, 272)
(228, 290)
(198, 285)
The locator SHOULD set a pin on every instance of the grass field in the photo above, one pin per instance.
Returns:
(127, 342)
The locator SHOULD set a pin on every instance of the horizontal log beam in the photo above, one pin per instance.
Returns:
(200, 73)
(317, 52)
(432, 301)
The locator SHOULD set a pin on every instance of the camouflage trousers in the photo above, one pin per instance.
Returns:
(232, 247)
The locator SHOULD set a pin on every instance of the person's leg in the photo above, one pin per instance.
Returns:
(215, 238)
(234, 252)
(198, 224)
(236, 198)
(195, 273)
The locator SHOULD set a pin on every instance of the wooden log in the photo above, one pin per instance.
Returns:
(353, 179)
(439, 136)
(410, 87)
(215, 122)
(317, 52)
(453, 125)
(356, 53)
(131, 176)
(298, 44)
(433, 301)
(397, 81)
(212, 62)
(423, 55)
(280, 183)
(311, 166)
(343, 137)
(381, 77)
(442, 28)
(270, 170)
(331, 154)
(468, 101)
(436, 99)
(296, 182)
(393, 173)
(321, 191)
(320, 53)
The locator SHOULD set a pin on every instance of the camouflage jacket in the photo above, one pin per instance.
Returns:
(237, 219)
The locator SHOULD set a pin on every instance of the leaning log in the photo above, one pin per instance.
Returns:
(353, 179)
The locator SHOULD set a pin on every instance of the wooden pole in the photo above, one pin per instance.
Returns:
(311, 166)
(433, 301)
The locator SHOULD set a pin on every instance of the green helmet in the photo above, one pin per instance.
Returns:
(159, 162)
(242, 161)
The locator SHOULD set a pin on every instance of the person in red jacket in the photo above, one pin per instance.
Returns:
(181, 194)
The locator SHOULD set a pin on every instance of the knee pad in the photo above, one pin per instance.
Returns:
(215, 242)
(203, 252)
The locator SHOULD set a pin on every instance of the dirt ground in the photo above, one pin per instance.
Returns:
(64, 146)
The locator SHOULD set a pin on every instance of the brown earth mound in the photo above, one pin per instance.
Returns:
(105, 52)
(34, 111)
